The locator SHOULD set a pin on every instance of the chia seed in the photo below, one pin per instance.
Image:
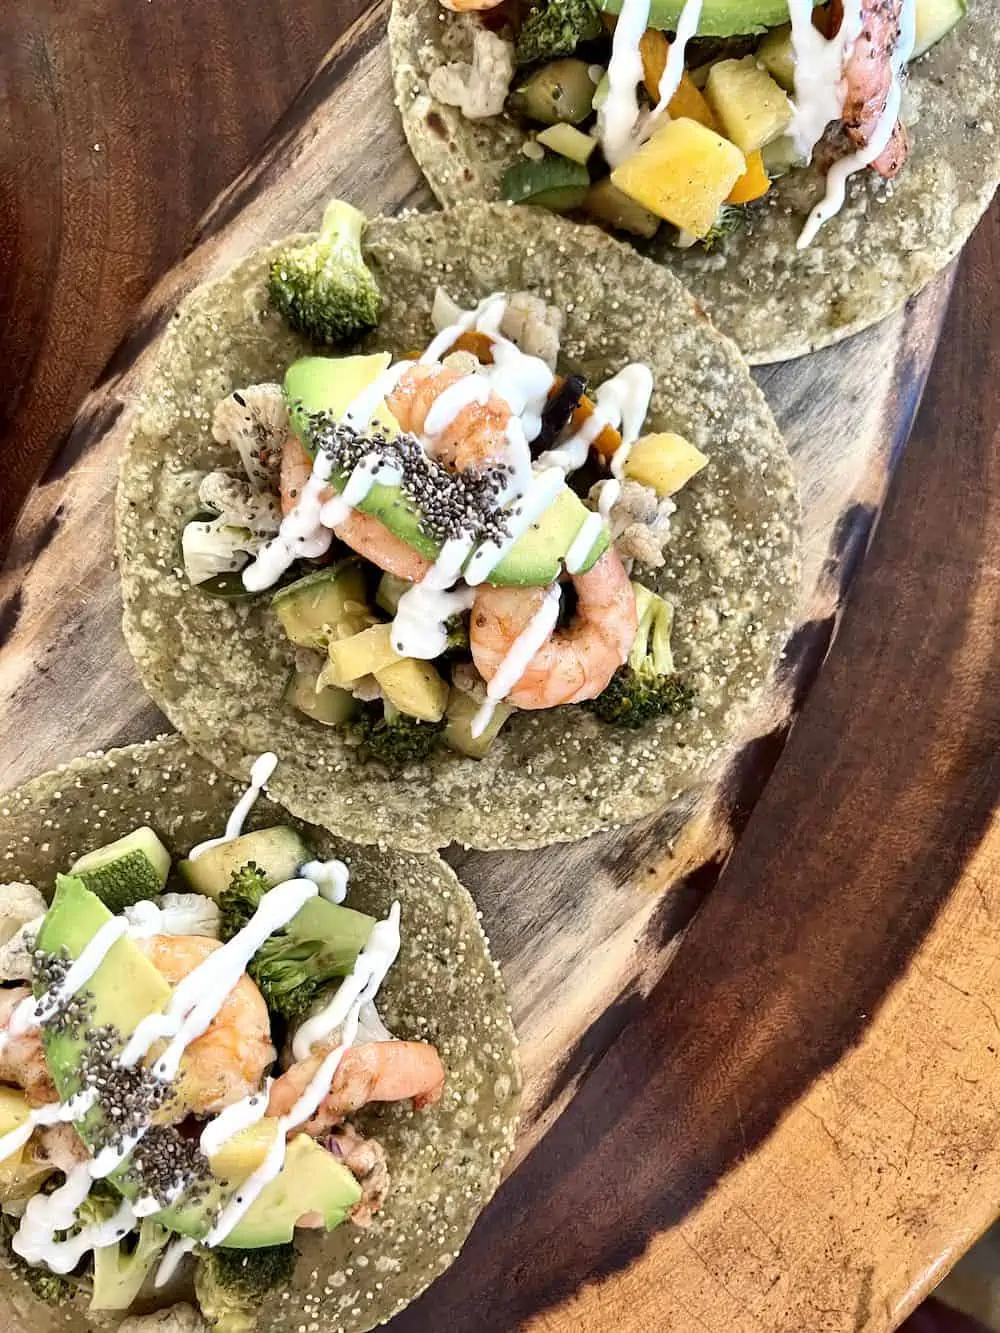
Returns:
(167, 1165)
(451, 504)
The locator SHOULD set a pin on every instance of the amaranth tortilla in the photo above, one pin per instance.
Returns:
(774, 300)
(444, 1162)
(218, 669)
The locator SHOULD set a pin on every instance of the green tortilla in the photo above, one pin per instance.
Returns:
(775, 301)
(218, 669)
(445, 1162)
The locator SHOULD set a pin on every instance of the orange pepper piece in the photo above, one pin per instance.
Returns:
(609, 439)
(479, 344)
(753, 184)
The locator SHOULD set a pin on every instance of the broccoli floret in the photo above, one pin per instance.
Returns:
(557, 29)
(731, 218)
(457, 628)
(231, 1284)
(647, 685)
(54, 1288)
(320, 944)
(323, 288)
(395, 739)
(120, 1270)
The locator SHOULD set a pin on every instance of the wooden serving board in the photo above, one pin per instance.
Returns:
(585, 932)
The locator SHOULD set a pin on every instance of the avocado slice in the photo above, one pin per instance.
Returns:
(935, 19)
(336, 382)
(278, 851)
(314, 609)
(719, 18)
(127, 871)
(326, 704)
(532, 561)
(311, 1181)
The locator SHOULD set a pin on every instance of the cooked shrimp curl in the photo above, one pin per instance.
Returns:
(868, 79)
(476, 436)
(376, 1071)
(229, 1060)
(576, 663)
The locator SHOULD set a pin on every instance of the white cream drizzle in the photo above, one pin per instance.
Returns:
(819, 71)
(673, 70)
(419, 628)
(330, 877)
(47, 1214)
(260, 773)
(583, 543)
(233, 1120)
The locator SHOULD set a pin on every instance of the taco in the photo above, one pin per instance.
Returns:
(150, 1160)
(531, 401)
(726, 162)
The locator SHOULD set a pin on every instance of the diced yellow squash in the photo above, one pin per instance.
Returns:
(462, 710)
(664, 461)
(777, 55)
(751, 108)
(935, 18)
(364, 654)
(753, 184)
(415, 688)
(14, 1111)
(568, 141)
(684, 173)
(240, 1156)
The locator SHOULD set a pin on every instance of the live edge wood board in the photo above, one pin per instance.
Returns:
(717, 1170)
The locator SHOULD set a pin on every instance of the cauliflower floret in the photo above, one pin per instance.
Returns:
(19, 904)
(16, 954)
(174, 1319)
(534, 326)
(238, 503)
(254, 421)
(640, 522)
(478, 90)
(184, 914)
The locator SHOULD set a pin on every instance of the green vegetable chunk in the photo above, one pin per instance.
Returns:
(53, 1288)
(560, 93)
(278, 851)
(324, 288)
(127, 871)
(320, 944)
(647, 686)
(231, 1284)
(719, 18)
(120, 1270)
(557, 28)
(395, 739)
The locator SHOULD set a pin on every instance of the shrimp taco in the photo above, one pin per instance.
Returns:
(250, 1075)
(508, 568)
(804, 167)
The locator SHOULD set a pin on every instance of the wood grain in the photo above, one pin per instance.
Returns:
(781, 974)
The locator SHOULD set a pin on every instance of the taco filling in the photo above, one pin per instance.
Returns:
(459, 527)
(642, 113)
(146, 1113)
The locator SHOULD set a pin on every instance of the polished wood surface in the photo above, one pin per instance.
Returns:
(762, 1085)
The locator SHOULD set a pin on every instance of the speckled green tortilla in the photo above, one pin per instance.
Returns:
(445, 1162)
(218, 669)
(775, 301)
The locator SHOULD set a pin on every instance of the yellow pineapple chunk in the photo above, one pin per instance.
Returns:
(664, 461)
(777, 54)
(751, 108)
(684, 174)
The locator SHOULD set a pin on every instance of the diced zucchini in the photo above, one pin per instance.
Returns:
(606, 204)
(414, 687)
(935, 19)
(560, 92)
(329, 604)
(751, 108)
(555, 183)
(125, 872)
(777, 54)
(324, 704)
(462, 708)
(568, 141)
(277, 851)
(364, 654)
(781, 155)
(664, 461)
(684, 173)
(390, 589)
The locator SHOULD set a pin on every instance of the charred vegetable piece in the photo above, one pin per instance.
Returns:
(556, 28)
(555, 183)
(560, 93)
(558, 412)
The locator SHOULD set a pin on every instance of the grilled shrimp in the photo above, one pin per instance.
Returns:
(868, 79)
(376, 1071)
(366, 1161)
(22, 1058)
(229, 1060)
(361, 532)
(576, 663)
(470, 6)
(476, 437)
